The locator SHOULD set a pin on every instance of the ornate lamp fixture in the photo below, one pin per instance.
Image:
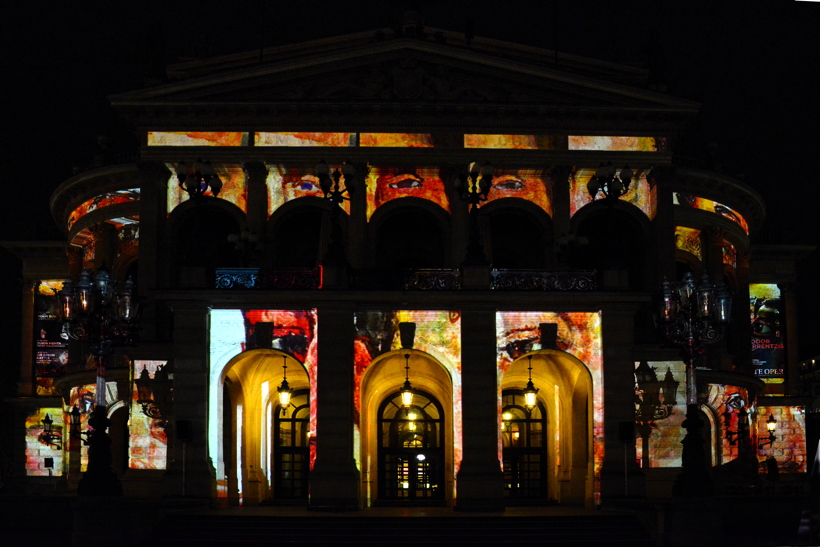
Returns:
(530, 391)
(330, 183)
(155, 395)
(75, 415)
(605, 180)
(693, 316)
(475, 188)
(284, 389)
(49, 436)
(98, 313)
(649, 405)
(771, 426)
(407, 389)
(198, 179)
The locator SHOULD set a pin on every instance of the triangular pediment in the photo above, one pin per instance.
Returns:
(374, 69)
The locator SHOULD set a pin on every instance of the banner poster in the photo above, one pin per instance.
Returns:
(50, 343)
(768, 330)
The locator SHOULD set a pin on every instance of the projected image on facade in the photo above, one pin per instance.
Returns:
(660, 408)
(148, 443)
(197, 138)
(44, 448)
(104, 200)
(528, 184)
(82, 398)
(396, 140)
(385, 184)
(688, 200)
(233, 187)
(50, 343)
(768, 331)
(789, 446)
(638, 195)
(613, 144)
(579, 335)
(728, 411)
(515, 142)
(286, 183)
(688, 239)
(263, 138)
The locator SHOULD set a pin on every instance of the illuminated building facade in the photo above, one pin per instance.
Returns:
(398, 281)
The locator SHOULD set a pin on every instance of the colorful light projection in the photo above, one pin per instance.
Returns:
(664, 435)
(396, 140)
(104, 200)
(148, 443)
(286, 183)
(385, 184)
(50, 344)
(37, 443)
(438, 333)
(514, 142)
(613, 144)
(768, 326)
(527, 184)
(688, 239)
(197, 138)
(231, 333)
(233, 190)
(263, 138)
(639, 193)
(720, 399)
(789, 447)
(729, 254)
(579, 334)
(694, 202)
(83, 398)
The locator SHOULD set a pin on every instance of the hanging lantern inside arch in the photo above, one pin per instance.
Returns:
(407, 389)
(530, 391)
(284, 388)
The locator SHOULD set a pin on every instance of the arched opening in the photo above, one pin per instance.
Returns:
(411, 449)
(410, 238)
(265, 451)
(296, 237)
(397, 445)
(516, 239)
(524, 448)
(554, 447)
(616, 244)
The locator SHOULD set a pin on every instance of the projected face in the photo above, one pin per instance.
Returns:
(387, 184)
(526, 184)
(286, 183)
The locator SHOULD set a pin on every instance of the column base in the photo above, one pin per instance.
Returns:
(480, 490)
(334, 490)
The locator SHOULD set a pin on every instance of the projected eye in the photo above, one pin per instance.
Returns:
(509, 183)
(307, 183)
(406, 181)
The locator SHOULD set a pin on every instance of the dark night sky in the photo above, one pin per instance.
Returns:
(750, 64)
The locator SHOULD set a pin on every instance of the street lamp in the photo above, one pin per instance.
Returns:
(606, 181)
(407, 389)
(771, 426)
(105, 316)
(284, 390)
(474, 187)
(155, 395)
(198, 179)
(530, 391)
(50, 437)
(336, 194)
(693, 316)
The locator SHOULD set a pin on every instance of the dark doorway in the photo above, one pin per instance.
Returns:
(291, 453)
(524, 449)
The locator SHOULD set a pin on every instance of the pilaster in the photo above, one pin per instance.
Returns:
(256, 173)
(660, 180)
(334, 480)
(480, 481)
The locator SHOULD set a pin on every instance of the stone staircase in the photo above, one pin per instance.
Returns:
(577, 531)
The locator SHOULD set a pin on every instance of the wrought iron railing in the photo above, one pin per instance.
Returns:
(256, 278)
(539, 280)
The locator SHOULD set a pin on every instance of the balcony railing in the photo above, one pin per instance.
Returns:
(539, 280)
(257, 278)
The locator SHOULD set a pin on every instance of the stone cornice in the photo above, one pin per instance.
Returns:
(723, 189)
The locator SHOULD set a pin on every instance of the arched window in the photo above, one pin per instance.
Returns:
(616, 242)
(523, 434)
(410, 238)
(201, 239)
(296, 239)
(411, 450)
(516, 240)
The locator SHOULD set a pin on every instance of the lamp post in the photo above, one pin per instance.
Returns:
(198, 179)
(693, 316)
(606, 181)
(474, 187)
(94, 311)
(648, 405)
(771, 426)
(155, 395)
(336, 194)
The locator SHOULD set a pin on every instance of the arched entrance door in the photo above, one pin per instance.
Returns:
(524, 453)
(411, 450)
(291, 453)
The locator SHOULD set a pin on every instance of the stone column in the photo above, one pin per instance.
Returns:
(190, 470)
(741, 325)
(792, 372)
(334, 480)
(357, 251)
(561, 222)
(480, 482)
(620, 474)
(256, 173)
(153, 213)
(660, 180)
(712, 239)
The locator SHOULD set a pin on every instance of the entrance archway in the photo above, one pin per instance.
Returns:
(411, 449)
(390, 449)
(557, 464)
(265, 453)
